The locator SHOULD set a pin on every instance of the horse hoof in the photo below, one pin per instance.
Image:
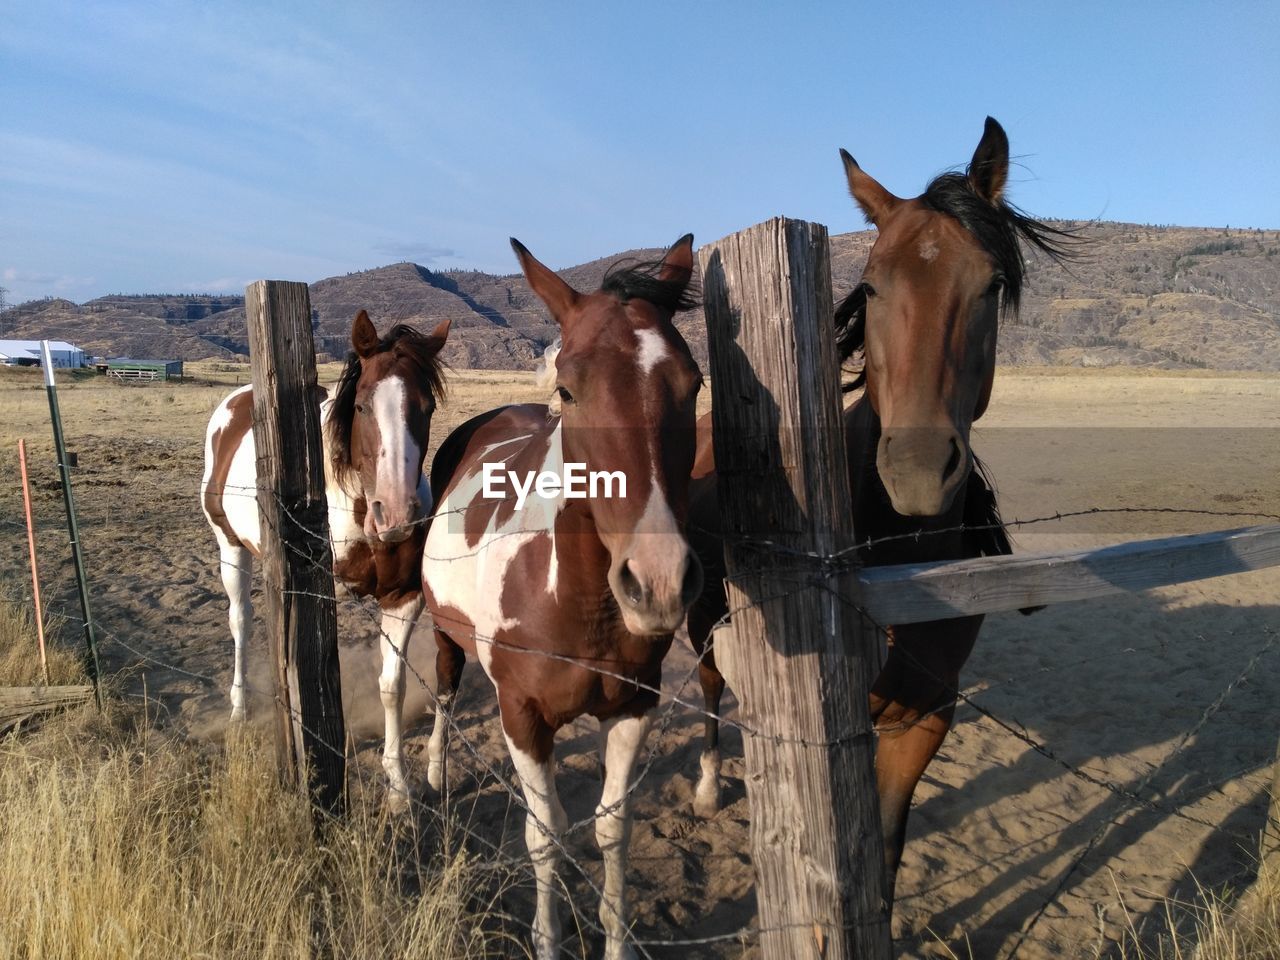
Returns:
(707, 805)
(621, 951)
(706, 799)
(398, 802)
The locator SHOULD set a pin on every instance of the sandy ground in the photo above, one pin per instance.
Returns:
(1167, 696)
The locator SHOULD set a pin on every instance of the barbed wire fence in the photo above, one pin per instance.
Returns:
(485, 773)
(793, 571)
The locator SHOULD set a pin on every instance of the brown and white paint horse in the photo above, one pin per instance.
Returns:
(377, 426)
(924, 317)
(570, 604)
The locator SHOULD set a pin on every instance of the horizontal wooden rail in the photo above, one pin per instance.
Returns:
(20, 704)
(917, 592)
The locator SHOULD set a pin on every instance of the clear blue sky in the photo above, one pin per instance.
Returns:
(182, 146)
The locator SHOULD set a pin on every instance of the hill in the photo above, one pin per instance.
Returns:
(1142, 295)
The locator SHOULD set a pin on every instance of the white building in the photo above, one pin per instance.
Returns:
(26, 353)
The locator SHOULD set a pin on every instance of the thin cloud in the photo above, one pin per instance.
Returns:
(58, 281)
(417, 251)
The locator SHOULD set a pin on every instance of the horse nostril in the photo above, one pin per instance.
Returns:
(631, 588)
(375, 508)
(953, 462)
(415, 507)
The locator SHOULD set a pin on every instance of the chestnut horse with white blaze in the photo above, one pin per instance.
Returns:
(376, 429)
(570, 602)
(924, 318)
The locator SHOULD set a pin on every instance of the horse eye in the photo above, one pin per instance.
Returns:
(997, 287)
(361, 409)
(564, 394)
(867, 289)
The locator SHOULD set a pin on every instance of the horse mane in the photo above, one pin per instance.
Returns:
(632, 280)
(626, 280)
(1002, 230)
(408, 343)
(985, 533)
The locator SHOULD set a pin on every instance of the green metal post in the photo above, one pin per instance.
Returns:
(73, 528)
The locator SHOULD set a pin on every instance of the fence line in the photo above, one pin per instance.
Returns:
(804, 571)
(675, 701)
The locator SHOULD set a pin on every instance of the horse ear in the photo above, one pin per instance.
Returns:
(989, 168)
(551, 290)
(874, 200)
(440, 334)
(677, 265)
(364, 336)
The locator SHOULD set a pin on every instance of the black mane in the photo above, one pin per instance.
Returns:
(629, 280)
(409, 343)
(1002, 230)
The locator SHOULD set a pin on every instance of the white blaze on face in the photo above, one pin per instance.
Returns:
(928, 250)
(398, 470)
(652, 351)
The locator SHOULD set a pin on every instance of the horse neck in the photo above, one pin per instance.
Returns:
(873, 513)
(346, 497)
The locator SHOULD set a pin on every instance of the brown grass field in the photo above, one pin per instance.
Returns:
(1170, 696)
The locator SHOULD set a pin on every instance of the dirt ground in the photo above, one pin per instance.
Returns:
(1111, 754)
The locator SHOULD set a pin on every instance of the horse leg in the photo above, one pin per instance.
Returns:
(397, 625)
(450, 660)
(236, 564)
(706, 798)
(912, 704)
(530, 742)
(624, 738)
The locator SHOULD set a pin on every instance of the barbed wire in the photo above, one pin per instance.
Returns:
(811, 570)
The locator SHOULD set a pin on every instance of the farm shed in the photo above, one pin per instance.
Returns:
(26, 353)
(124, 368)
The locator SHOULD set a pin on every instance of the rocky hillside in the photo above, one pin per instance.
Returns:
(1141, 295)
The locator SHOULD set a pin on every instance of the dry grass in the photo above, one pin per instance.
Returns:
(1216, 927)
(19, 655)
(118, 841)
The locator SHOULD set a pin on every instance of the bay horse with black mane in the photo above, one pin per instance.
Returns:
(924, 319)
(570, 603)
(376, 429)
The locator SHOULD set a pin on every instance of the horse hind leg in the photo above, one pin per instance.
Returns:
(396, 628)
(450, 660)
(706, 797)
(236, 567)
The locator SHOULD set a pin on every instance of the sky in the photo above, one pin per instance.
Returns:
(197, 146)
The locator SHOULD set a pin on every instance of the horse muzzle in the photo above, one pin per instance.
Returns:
(653, 591)
(922, 468)
(396, 525)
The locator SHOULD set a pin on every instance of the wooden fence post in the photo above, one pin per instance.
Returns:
(297, 561)
(800, 655)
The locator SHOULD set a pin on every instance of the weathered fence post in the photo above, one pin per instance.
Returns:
(297, 560)
(799, 655)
